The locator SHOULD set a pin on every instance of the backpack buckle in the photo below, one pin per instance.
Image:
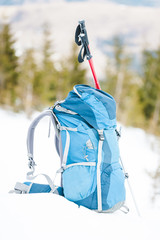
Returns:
(118, 133)
(20, 188)
(126, 175)
(101, 136)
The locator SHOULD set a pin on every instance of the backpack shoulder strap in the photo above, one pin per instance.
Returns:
(31, 130)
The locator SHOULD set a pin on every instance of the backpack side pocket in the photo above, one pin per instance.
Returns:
(79, 181)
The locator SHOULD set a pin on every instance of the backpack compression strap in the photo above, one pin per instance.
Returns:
(29, 188)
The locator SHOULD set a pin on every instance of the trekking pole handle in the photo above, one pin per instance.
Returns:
(83, 30)
(84, 39)
(81, 38)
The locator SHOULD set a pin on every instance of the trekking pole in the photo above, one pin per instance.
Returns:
(81, 38)
(127, 178)
(130, 188)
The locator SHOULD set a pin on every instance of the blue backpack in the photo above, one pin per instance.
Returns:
(87, 143)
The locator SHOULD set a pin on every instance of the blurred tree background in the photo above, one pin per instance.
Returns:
(137, 92)
(29, 82)
(8, 67)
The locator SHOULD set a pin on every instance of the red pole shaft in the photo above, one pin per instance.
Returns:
(94, 74)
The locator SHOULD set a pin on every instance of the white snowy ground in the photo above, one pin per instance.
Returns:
(48, 216)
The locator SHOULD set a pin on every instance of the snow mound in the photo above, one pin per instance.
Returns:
(48, 216)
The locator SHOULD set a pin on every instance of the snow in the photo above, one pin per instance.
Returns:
(48, 216)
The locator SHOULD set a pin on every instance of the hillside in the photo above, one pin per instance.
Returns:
(150, 3)
(103, 21)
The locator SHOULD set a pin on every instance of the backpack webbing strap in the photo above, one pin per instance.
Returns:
(124, 209)
(29, 188)
(99, 193)
(49, 180)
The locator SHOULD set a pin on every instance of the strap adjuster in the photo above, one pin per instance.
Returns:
(31, 163)
(126, 175)
(21, 188)
(101, 135)
(61, 169)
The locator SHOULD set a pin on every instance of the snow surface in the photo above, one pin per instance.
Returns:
(48, 216)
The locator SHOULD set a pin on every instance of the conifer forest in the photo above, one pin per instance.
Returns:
(29, 83)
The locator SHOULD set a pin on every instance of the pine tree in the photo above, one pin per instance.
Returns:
(149, 92)
(49, 73)
(37, 79)
(119, 78)
(29, 84)
(8, 66)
